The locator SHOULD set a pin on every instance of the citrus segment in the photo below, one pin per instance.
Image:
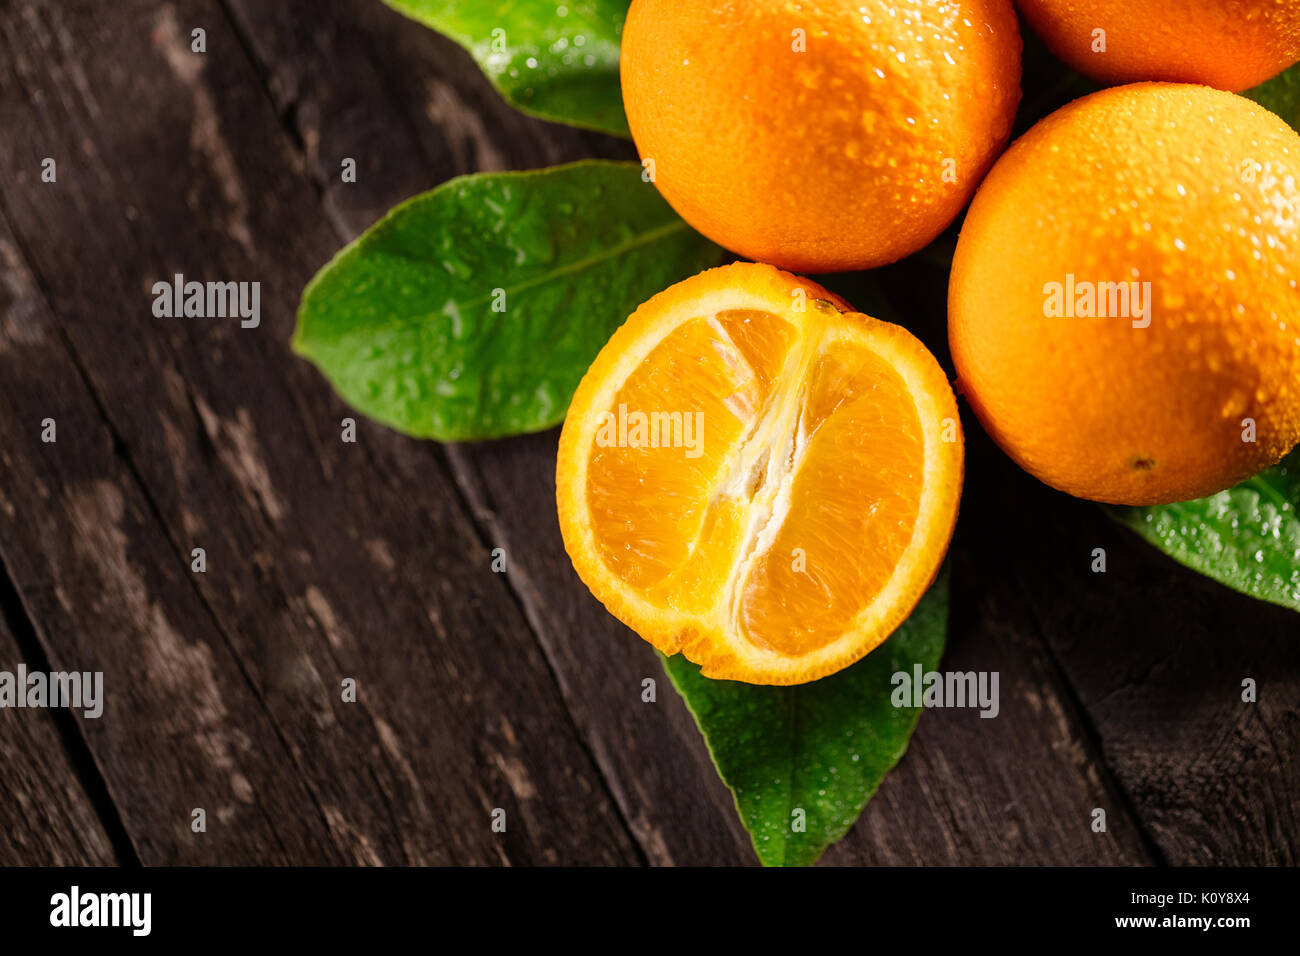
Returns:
(858, 411)
(759, 478)
(645, 538)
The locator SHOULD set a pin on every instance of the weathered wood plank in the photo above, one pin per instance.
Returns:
(46, 816)
(1156, 655)
(106, 592)
(416, 101)
(320, 564)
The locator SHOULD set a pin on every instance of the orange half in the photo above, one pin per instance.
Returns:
(757, 477)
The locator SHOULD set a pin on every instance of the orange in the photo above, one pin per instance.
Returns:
(1229, 44)
(1123, 309)
(820, 137)
(756, 477)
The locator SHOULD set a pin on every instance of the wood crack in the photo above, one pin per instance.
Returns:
(468, 490)
(1092, 738)
(15, 616)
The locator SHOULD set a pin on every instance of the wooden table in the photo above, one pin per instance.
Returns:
(371, 560)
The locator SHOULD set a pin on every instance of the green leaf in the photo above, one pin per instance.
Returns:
(556, 60)
(1281, 95)
(1247, 537)
(822, 747)
(473, 311)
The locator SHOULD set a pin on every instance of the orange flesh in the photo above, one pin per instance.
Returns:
(804, 493)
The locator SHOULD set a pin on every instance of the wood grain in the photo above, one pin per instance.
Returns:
(202, 434)
(1156, 656)
(46, 816)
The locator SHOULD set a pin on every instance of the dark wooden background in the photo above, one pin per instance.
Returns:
(326, 560)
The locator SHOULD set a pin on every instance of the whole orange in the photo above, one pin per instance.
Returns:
(1123, 308)
(1228, 44)
(820, 136)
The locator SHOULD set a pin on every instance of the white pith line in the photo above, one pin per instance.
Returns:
(778, 441)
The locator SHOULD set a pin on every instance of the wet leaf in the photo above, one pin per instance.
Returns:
(555, 60)
(1247, 537)
(472, 311)
(821, 747)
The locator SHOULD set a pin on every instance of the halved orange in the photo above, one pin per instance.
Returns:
(756, 476)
